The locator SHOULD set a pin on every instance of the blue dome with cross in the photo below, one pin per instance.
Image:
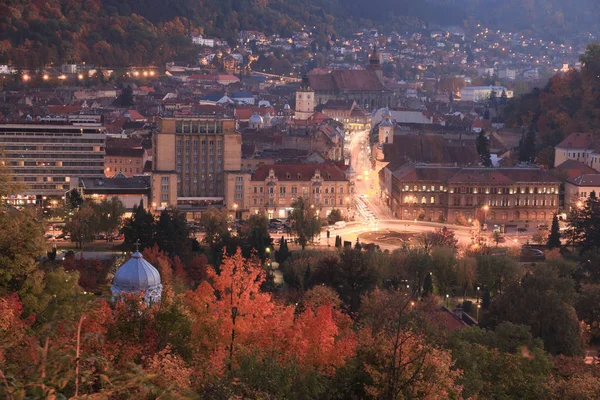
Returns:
(137, 275)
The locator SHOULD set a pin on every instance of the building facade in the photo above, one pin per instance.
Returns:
(128, 162)
(578, 190)
(131, 191)
(447, 193)
(483, 93)
(45, 158)
(580, 147)
(191, 157)
(273, 189)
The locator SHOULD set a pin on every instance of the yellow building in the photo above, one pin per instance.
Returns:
(191, 156)
(273, 189)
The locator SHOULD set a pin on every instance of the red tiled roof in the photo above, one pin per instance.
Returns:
(475, 175)
(435, 174)
(352, 80)
(124, 152)
(300, 172)
(245, 112)
(446, 319)
(208, 109)
(574, 168)
(431, 149)
(131, 143)
(577, 141)
(133, 114)
(52, 109)
(586, 180)
(320, 117)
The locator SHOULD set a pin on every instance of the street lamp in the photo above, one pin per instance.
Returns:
(478, 294)
(478, 307)
(485, 210)
(447, 300)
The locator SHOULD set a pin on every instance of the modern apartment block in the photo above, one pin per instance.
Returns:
(46, 158)
(192, 155)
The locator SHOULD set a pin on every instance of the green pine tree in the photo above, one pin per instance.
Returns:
(554, 237)
(306, 279)
(427, 285)
(483, 149)
(527, 145)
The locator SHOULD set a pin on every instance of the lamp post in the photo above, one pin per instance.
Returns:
(485, 210)
(235, 207)
(478, 288)
(478, 307)
(447, 300)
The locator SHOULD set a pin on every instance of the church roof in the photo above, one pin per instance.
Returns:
(347, 80)
(136, 275)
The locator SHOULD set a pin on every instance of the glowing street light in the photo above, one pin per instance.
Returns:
(26, 77)
(45, 77)
(80, 77)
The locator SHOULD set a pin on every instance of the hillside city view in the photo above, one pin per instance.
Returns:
(328, 199)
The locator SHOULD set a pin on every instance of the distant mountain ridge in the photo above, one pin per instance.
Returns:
(133, 32)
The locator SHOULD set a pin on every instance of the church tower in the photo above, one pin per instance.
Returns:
(375, 64)
(386, 128)
(305, 100)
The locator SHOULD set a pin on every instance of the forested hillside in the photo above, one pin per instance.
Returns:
(128, 32)
(133, 32)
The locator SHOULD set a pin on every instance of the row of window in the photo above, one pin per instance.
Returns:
(470, 201)
(204, 160)
(294, 190)
(486, 190)
(203, 152)
(120, 161)
(120, 169)
(327, 201)
(504, 190)
(195, 142)
(198, 127)
(196, 169)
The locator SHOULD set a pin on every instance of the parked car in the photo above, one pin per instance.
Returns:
(120, 236)
(338, 225)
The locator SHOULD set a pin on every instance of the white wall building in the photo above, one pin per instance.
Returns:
(482, 93)
(201, 41)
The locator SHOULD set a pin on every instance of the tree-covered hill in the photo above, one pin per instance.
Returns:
(127, 32)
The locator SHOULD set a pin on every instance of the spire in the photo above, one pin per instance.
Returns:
(137, 246)
(305, 85)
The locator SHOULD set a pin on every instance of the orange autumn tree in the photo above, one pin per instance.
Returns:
(233, 318)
